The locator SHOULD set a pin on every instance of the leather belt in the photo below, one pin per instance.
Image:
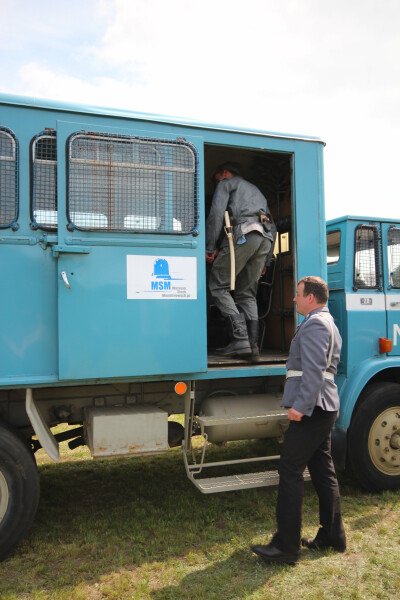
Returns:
(291, 373)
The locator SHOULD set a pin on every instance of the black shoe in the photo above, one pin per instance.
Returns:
(239, 344)
(270, 553)
(318, 544)
(253, 331)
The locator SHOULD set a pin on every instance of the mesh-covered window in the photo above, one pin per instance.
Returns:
(8, 178)
(122, 183)
(333, 247)
(394, 256)
(366, 258)
(44, 180)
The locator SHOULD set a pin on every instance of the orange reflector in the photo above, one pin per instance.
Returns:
(180, 388)
(385, 345)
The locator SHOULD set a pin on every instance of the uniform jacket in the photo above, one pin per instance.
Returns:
(245, 202)
(309, 352)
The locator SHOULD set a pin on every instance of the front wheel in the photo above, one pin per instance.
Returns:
(374, 438)
(19, 489)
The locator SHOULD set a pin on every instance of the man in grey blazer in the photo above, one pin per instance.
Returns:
(312, 399)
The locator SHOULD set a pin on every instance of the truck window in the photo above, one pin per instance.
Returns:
(130, 184)
(8, 178)
(333, 247)
(393, 251)
(366, 265)
(44, 181)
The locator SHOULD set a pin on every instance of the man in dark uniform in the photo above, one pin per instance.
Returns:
(313, 402)
(253, 234)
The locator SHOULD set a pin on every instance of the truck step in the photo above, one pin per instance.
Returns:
(212, 485)
(272, 415)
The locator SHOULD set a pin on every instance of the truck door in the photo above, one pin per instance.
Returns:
(391, 260)
(131, 282)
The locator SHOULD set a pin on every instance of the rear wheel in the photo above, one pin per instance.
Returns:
(374, 438)
(19, 489)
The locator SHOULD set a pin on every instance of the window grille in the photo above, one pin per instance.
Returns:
(366, 258)
(8, 178)
(44, 180)
(394, 256)
(122, 183)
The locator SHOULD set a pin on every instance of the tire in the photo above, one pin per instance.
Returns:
(19, 489)
(374, 438)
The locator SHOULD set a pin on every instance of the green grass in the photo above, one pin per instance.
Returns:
(138, 529)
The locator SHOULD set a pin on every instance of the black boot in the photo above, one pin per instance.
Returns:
(239, 345)
(253, 331)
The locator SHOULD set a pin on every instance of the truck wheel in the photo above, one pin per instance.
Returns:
(19, 489)
(374, 438)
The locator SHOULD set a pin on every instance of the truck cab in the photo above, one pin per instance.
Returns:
(363, 257)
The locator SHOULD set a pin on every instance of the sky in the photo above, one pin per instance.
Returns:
(325, 68)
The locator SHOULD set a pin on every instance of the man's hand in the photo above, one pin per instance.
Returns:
(294, 415)
(211, 256)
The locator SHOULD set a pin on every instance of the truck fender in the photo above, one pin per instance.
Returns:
(356, 382)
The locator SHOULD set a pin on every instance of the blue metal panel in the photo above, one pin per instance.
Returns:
(28, 329)
(392, 292)
(309, 212)
(102, 332)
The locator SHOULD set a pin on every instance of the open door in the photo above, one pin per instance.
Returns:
(131, 293)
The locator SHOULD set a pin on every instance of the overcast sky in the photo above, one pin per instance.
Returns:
(329, 68)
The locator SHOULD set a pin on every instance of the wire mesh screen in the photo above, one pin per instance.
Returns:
(44, 181)
(366, 257)
(8, 178)
(123, 183)
(394, 256)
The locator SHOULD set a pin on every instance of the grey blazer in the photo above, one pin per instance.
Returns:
(309, 353)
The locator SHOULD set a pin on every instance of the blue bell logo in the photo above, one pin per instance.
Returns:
(161, 269)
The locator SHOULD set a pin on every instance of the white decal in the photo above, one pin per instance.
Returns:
(392, 302)
(396, 332)
(365, 302)
(161, 277)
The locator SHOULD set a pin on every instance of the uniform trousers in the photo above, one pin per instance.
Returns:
(249, 261)
(307, 443)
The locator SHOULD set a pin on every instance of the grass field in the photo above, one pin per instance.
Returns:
(138, 529)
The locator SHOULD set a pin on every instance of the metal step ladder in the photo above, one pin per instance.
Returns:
(212, 485)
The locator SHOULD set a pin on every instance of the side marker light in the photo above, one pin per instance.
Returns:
(180, 388)
(385, 345)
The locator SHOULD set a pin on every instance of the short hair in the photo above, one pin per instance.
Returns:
(317, 286)
(232, 167)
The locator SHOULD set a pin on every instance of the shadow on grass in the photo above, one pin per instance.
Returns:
(98, 517)
(234, 578)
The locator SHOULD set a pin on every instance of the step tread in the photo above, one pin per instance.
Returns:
(271, 415)
(227, 483)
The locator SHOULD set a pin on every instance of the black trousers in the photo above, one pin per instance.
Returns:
(307, 443)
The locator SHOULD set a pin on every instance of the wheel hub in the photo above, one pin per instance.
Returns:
(4, 496)
(384, 441)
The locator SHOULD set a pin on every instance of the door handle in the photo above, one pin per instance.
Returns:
(65, 279)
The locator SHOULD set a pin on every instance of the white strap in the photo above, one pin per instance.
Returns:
(292, 373)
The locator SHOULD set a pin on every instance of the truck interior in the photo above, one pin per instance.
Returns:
(271, 172)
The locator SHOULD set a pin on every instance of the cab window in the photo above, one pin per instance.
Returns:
(393, 252)
(366, 258)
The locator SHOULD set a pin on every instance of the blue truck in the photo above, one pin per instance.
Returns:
(106, 322)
